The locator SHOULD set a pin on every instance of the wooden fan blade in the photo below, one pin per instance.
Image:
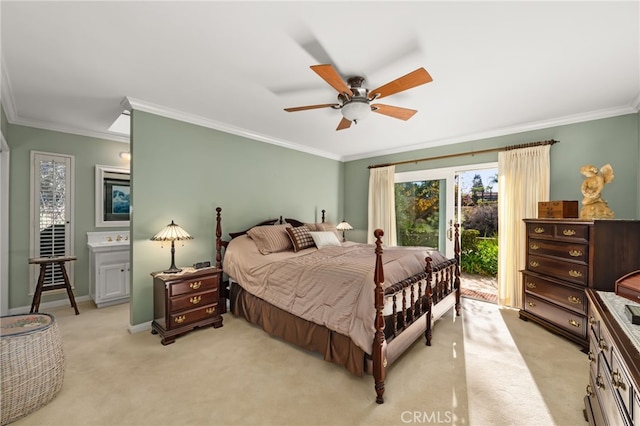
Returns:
(394, 111)
(344, 124)
(331, 76)
(303, 108)
(413, 79)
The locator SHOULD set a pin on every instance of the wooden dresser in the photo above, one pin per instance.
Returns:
(567, 256)
(614, 362)
(184, 301)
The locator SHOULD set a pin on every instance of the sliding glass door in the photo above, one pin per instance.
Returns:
(425, 208)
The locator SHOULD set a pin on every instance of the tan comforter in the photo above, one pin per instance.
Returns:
(332, 286)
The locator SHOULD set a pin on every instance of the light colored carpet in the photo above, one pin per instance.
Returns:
(486, 367)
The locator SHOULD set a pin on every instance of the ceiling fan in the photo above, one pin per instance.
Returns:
(354, 100)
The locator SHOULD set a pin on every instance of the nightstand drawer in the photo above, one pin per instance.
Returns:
(183, 318)
(194, 285)
(568, 271)
(570, 251)
(561, 294)
(568, 320)
(193, 300)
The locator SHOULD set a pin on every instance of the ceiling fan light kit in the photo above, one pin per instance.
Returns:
(354, 100)
(355, 110)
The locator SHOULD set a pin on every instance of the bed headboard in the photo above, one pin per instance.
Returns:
(220, 243)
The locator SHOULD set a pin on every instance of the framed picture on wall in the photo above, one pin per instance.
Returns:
(113, 205)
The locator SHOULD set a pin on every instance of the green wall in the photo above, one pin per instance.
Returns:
(612, 140)
(182, 172)
(88, 152)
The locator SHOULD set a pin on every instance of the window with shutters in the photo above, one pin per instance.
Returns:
(51, 214)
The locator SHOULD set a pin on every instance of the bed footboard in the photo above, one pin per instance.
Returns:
(412, 299)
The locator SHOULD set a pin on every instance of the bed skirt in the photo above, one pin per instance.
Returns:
(334, 347)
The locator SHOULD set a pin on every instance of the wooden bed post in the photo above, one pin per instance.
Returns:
(428, 294)
(456, 251)
(379, 347)
(218, 239)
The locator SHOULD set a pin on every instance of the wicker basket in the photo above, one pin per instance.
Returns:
(32, 363)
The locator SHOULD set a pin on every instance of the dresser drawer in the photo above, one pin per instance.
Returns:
(568, 320)
(568, 271)
(572, 231)
(606, 396)
(193, 300)
(540, 229)
(180, 319)
(561, 294)
(195, 285)
(563, 250)
(595, 412)
(621, 383)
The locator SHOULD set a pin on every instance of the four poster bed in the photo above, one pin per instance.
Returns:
(293, 280)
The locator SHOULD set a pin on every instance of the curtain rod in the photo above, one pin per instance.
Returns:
(506, 148)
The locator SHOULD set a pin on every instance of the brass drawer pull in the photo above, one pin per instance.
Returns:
(574, 323)
(534, 264)
(180, 319)
(534, 247)
(616, 380)
(531, 304)
(575, 253)
(592, 320)
(589, 390)
(592, 357)
(574, 300)
(195, 299)
(568, 232)
(539, 230)
(210, 310)
(195, 285)
(599, 382)
(531, 285)
(575, 274)
(602, 344)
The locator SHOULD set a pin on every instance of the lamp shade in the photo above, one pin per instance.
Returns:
(172, 232)
(344, 226)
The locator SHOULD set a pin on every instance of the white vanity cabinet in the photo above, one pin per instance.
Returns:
(108, 267)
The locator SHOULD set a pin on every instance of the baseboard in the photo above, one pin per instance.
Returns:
(44, 306)
(139, 328)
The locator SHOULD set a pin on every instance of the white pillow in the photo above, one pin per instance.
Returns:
(325, 239)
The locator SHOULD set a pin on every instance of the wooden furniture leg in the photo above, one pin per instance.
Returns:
(35, 303)
(43, 262)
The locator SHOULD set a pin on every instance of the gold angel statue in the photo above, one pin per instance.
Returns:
(593, 206)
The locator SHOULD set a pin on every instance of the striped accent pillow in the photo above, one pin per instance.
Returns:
(300, 237)
(271, 238)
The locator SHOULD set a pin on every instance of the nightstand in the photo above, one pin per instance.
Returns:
(184, 301)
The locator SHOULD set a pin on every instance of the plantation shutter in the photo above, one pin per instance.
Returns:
(51, 214)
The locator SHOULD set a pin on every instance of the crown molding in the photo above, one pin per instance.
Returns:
(635, 105)
(571, 119)
(6, 94)
(72, 130)
(137, 104)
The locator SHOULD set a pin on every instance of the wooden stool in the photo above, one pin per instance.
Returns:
(43, 262)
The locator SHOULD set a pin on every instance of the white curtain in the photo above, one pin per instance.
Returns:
(382, 204)
(523, 176)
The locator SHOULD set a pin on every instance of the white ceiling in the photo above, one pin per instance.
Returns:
(497, 67)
